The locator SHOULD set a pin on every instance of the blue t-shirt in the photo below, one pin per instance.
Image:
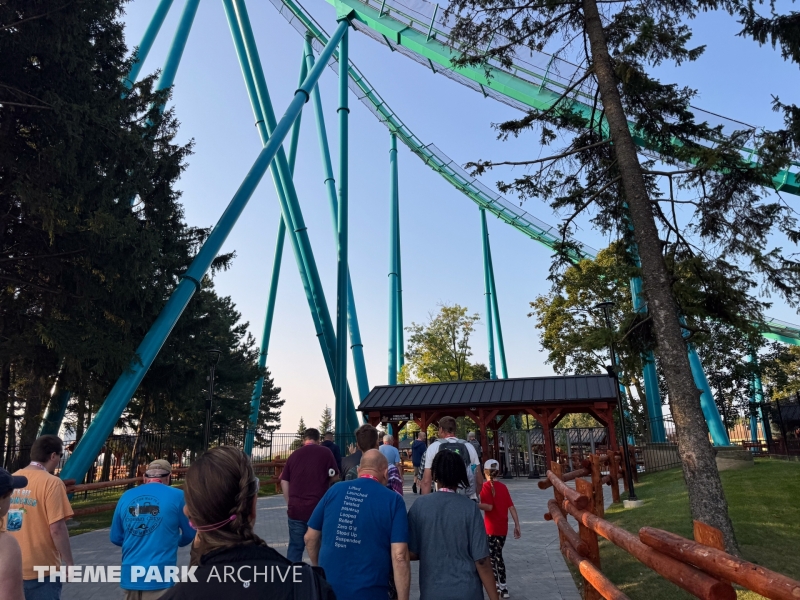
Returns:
(417, 450)
(149, 524)
(391, 453)
(359, 521)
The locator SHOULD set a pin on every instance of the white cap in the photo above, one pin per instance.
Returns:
(491, 465)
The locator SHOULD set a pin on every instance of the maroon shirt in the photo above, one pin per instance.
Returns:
(308, 471)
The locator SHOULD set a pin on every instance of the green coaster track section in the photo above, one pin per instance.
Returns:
(534, 228)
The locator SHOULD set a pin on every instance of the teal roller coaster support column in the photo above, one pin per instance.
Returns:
(356, 346)
(756, 397)
(719, 435)
(401, 356)
(170, 69)
(255, 400)
(287, 195)
(487, 287)
(147, 41)
(54, 416)
(393, 287)
(342, 246)
(649, 374)
(498, 330)
(111, 410)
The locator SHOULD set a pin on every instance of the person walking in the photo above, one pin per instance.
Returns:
(449, 442)
(417, 450)
(446, 534)
(496, 503)
(38, 518)
(391, 453)
(367, 439)
(221, 492)
(359, 535)
(10, 554)
(475, 444)
(328, 443)
(307, 475)
(150, 525)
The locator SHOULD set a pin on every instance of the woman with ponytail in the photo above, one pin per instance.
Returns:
(221, 493)
(497, 503)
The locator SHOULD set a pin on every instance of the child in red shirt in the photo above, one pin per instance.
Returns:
(497, 503)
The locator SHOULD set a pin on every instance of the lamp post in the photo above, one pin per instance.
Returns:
(213, 359)
(612, 370)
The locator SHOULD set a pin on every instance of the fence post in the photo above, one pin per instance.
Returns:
(614, 472)
(589, 537)
(597, 487)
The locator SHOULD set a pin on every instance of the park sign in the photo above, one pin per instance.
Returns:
(401, 417)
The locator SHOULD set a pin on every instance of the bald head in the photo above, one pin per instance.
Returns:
(374, 463)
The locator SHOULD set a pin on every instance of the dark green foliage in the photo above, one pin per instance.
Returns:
(92, 233)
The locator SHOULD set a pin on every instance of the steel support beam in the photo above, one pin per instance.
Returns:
(143, 49)
(342, 240)
(356, 345)
(284, 184)
(54, 416)
(255, 400)
(399, 344)
(649, 373)
(393, 247)
(756, 397)
(170, 69)
(106, 418)
(487, 287)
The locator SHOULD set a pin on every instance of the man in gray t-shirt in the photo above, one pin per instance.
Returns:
(447, 535)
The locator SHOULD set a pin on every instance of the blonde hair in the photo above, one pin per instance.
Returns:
(491, 475)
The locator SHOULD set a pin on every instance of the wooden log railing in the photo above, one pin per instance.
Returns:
(701, 567)
(72, 488)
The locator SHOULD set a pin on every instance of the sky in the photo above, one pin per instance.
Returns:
(440, 227)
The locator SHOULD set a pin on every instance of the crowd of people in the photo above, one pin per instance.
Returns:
(348, 513)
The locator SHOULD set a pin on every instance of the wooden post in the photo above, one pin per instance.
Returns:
(597, 487)
(589, 537)
(634, 466)
(622, 471)
(612, 467)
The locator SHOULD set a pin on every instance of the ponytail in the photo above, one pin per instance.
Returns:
(490, 475)
(220, 487)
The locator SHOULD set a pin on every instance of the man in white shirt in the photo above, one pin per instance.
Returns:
(449, 442)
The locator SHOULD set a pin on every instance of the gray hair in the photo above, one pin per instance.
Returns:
(387, 439)
(471, 435)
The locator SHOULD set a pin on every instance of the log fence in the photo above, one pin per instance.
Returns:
(700, 566)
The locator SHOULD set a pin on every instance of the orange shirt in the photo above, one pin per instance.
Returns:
(33, 510)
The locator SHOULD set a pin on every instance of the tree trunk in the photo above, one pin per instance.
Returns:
(706, 497)
(80, 418)
(12, 450)
(645, 411)
(32, 416)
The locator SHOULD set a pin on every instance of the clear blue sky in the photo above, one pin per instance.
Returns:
(442, 260)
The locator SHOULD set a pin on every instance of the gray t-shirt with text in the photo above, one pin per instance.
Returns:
(446, 530)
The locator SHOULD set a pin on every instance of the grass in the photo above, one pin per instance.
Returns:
(101, 520)
(764, 505)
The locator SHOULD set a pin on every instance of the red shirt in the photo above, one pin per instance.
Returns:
(308, 470)
(496, 520)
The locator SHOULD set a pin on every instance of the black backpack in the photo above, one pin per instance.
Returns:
(460, 448)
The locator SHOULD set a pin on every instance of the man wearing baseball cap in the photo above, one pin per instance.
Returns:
(10, 554)
(150, 525)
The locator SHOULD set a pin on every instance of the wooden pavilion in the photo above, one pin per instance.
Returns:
(489, 403)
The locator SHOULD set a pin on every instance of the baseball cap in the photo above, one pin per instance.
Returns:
(158, 468)
(491, 465)
(9, 482)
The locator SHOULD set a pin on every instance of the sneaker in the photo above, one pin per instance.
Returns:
(504, 594)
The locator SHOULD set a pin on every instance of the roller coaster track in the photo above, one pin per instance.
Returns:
(437, 160)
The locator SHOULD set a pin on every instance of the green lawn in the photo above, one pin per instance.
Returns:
(764, 504)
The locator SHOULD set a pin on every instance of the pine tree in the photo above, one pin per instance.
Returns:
(326, 421)
(726, 234)
(301, 429)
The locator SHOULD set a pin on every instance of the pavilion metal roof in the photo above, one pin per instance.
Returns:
(491, 393)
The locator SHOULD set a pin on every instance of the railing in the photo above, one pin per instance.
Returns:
(700, 567)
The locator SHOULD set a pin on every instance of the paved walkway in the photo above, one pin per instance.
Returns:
(534, 563)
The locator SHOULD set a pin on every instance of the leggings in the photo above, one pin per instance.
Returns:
(496, 543)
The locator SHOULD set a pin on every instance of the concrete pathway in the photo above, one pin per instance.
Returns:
(534, 564)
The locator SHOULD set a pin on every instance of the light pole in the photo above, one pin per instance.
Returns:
(213, 359)
(612, 370)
